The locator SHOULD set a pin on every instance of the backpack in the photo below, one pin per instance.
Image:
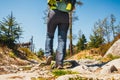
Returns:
(62, 5)
(66, 5)
(72, 2)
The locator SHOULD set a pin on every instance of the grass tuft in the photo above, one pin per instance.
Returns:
(62, 72)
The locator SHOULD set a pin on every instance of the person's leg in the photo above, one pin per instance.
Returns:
(62, 37)
(51, 27)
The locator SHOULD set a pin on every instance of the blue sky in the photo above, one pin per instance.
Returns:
(29, 14)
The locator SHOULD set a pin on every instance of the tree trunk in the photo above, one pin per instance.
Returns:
(70, 27)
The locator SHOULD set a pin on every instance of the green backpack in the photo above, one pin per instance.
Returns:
(66, 5)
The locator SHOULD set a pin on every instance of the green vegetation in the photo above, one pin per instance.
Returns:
(62, 72)
(105, 33)
(77, 78)
(95, 41)
(112, 57)
(81, 45)
(40, 53)
(10, 31)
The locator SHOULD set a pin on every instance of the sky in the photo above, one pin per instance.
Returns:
(29, 14)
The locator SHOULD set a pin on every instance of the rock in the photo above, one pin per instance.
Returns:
(72, 62)
(67, 77)
(20, 69)
(115, 62)
(111, 66)
(94, 69)
(87, 66)
(9, 69)
(88, 62)
(114, 49)
(108, 69)
(81, 69)
(34, 61)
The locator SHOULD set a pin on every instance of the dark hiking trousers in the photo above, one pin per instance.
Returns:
(59, 20)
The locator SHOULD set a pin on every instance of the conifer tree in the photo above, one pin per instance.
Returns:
(95, 41)
(81, 45)
(10, 30)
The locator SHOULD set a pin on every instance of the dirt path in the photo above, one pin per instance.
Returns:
(34, 72)
(87, 68)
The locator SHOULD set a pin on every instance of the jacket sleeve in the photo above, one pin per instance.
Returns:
(51, 2)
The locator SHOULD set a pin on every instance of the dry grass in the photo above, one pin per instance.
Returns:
(89, 54)
(29, 55)
(7, 57)
(109, 58)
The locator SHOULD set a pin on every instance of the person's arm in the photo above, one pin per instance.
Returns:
(51, 2)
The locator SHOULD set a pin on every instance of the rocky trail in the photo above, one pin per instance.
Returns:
(85, 68)
(26, 72)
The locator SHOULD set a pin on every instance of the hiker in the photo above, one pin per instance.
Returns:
(58, 17)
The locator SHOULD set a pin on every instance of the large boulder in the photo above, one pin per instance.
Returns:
(115, 62)
(114, 49)
(108, 69)
(111, 67)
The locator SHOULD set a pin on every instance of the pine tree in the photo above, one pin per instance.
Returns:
(10, 30)
(81, 45)
(95, 41)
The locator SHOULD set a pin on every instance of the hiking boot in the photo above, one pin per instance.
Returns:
(48, 60)
(54, 66)
(59, 67)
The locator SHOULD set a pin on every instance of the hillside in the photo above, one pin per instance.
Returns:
(22, 56)
(90, 54)
(7, 57)
(10, 59)
(22, 64)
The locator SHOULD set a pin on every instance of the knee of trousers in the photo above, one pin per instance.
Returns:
(50, 35)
